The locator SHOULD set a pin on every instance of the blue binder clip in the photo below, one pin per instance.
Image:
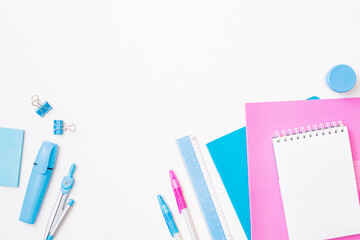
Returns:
(60, 128)
(42, 108)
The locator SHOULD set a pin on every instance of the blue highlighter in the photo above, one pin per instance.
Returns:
(38, 182)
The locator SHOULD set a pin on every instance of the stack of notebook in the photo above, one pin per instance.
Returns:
(301, 181)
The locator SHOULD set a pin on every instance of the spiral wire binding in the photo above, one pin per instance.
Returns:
(309, 131)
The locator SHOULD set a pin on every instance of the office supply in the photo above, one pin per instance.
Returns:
(357, 174)
(11, 145)
(60, 220)
(182, 205)
(341, 78)
(317, 181)
(42, 108)
(169, 218)
(38, 182)
(262, 119)
(229, 155)
(230, 158)
(60, 211)
(60, 128)
(204, 190)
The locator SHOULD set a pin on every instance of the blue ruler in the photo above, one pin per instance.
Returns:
(203, 187)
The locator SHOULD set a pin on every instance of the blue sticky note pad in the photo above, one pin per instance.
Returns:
(229, 155)
(11, 144)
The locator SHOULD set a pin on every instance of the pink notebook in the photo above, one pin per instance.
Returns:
(262, 120)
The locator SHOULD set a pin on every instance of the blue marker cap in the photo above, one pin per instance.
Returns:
(38, 182)
(167, 216)
(341, 78)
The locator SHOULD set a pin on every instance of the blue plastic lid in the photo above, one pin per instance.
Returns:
(46, 157)
(341, 78)
(167, 216)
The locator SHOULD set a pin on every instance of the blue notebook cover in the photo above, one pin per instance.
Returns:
(11, 143)
(230, 158)
(229, 155)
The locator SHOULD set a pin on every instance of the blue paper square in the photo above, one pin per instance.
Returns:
(11, 143)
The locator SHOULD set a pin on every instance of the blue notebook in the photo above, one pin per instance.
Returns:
(11, 144)
(229, 155)
(230, 158)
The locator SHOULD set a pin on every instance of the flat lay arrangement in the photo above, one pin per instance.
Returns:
(11, 142)
(185, 120)
(304, 177)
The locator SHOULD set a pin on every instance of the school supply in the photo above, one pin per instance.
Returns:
(229, 155)
(341, 78)
(204, 190)
(60, 128)
(11, 145)
(357, 174)
(169, 218)
(60, 211)
(230, 158)
(317, 181)
(38, 182)
(60, 220)
(41, 108)
(262, 120)
(182, 205)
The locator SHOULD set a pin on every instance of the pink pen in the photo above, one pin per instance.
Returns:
(182, 205)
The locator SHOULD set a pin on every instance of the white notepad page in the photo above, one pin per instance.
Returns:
(317, 182)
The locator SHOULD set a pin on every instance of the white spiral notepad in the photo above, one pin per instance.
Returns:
(317, 182)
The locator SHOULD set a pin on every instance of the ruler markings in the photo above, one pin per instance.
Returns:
(204, 188)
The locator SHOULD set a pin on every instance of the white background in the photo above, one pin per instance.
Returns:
(135, 75)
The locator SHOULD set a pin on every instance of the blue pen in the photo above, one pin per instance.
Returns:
(169, 219)
(60, 211)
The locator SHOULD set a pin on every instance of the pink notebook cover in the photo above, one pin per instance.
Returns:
(262, 120)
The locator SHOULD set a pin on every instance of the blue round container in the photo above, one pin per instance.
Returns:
(341, 78)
